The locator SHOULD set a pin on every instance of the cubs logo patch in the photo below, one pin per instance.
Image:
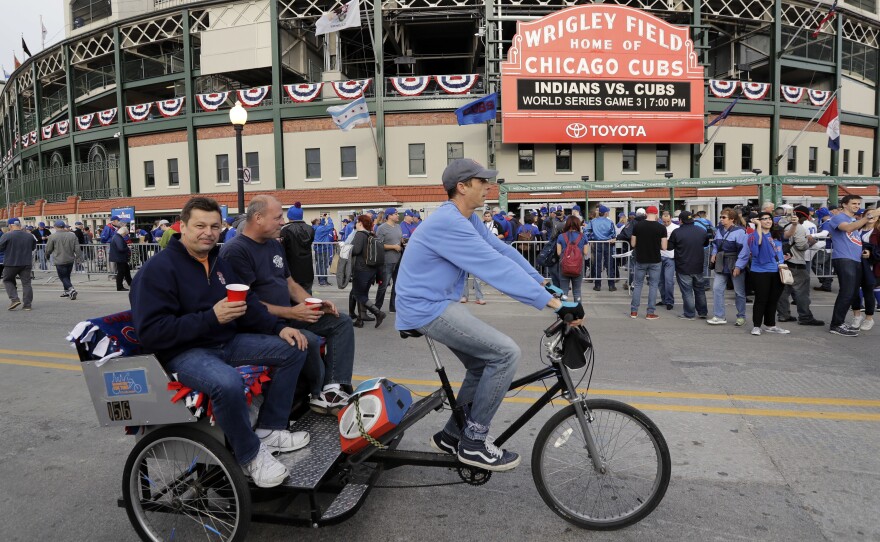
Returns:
(278, 261)
(221, 278)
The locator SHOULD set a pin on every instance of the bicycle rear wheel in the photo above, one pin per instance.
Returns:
(181, 484)
(635, 454)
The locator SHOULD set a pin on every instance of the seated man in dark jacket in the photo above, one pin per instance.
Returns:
(181, 313)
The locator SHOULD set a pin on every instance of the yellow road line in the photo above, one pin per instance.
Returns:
(46, 364)
(34, 354)
(870, 403)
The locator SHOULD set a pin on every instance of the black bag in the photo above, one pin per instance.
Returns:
(548, 257)
(576, 347)
(375, 254)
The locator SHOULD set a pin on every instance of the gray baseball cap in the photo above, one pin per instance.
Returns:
(463, 169)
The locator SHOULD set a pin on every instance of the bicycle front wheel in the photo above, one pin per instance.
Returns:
(635, 455)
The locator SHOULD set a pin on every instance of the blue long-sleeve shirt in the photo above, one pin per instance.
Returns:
(736, 241)
(601, 229)
(442, 251)
(324, 233)
(767, 256)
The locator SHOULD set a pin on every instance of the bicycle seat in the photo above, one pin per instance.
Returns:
(407, 333)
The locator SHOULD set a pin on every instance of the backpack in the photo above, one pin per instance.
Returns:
(375, 254)
(526, 236)
(571, 264)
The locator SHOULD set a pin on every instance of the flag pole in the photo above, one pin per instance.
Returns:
(42, 33)
(795, 35)
(819, 112)
(373, 131)
(715, 133)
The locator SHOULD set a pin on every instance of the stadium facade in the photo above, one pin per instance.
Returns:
(132, 108)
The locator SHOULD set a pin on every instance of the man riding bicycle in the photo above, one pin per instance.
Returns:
(451, 243)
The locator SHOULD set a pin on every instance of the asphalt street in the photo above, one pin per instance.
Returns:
(772, 437)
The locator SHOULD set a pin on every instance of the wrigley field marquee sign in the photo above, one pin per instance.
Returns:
(601, 74)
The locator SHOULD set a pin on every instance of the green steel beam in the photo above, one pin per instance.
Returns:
(191, 139)
(838, 64)
(140, 83)
(68, 71)
(123, 177)
(379, 89)
(277, 128)
(775, 79)
(599, 161)
(38, 111)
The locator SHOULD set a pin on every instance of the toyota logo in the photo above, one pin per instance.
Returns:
(576, 130)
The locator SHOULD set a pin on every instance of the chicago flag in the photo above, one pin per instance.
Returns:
(830, 119)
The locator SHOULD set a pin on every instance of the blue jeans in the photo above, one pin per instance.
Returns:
(849, 280)
(213, 371)
(338, 362)
(555, 276)
(652, 270)
(667, 280)
(739, 288)
(386, 273)
(64, 271)
(490, 358)
(693, 292)
(601, 258)
(575, 283)
(478, 291)
(41, 255)
(323, 256)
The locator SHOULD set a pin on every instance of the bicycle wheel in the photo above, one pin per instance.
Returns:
(634, 452)
(182, 484)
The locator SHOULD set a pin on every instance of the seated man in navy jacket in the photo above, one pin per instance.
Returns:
(180, 310)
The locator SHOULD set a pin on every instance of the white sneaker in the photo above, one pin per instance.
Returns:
(715, 321)
(285, 441)
(775, 329)
(265, 470)
(867, 324)
(857, 322)
(330, 401)
(756, 331)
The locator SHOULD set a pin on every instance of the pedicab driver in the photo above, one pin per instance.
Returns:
(178, 300)
(448, 245)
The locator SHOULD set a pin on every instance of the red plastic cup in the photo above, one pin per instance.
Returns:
(236, 292)
(314, 303)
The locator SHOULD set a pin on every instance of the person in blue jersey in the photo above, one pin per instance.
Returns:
(602, 234)
(323, 248)
(448, 245)
(765, 246)
(846, 257)
(729, 256)
(408, 226)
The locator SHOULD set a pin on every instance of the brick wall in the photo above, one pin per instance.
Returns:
(221, 132)
(157, 139)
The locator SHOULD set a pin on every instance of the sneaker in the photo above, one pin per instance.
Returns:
(785, 318)
(631, 315)
(284, 441)
(756, 331)
(669, 306)
(844, 331)
(775, 329)
(265, 470)
(867, 324)
(27, 308)
(480, 302)
(812, 322)
(485, 455)
(683, 317)
(14, 305)
(330, 401)
(612, 288)
(715, 321)
(443, 442)
(463, 300)
(652, 317)
(856, 322)
(702, 316)
(740, 322)
(65, 294)
(72, 294)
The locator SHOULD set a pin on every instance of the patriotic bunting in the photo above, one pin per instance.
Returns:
(410, 86)
(212, 101)
(819, 97)
(305, 92)
(722, 89)
(792, 95)
(34, 137)
(62, 126)
(137, 113)
(106, 117)
(755, 91)
(84, 122)
(170, 108)
(252, 97)
(349, 90)
(25, 141)
(47, 131)
(456, 84)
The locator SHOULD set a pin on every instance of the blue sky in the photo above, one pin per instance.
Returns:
(24, 17)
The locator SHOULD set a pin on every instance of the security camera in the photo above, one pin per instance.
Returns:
(117, 134)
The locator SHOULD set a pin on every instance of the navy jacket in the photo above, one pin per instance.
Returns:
(172, 301)
(119, 251)
(689, 242)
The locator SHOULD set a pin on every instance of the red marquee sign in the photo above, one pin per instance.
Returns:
(601, 73)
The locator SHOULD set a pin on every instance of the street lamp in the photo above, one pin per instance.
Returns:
(238, 118)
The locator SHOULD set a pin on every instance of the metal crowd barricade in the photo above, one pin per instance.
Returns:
(322, 258)
(94, 259)
(607, 260)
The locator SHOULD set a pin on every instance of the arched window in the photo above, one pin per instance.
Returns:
(83, 12)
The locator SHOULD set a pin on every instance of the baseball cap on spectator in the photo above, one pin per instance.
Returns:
(390, 211)
(822, 212)
(42, 224)
(511, 213)
(631, 214)
(295, 212)
(345, 221)
(621, 215)
(114, 217)
(14, 221)
(77, 223)
(417, 214)
(652, 210)
(576, 207)
(685, 217)
(802, 210)
(409, 212)
(29, 228)
(60, 224)
(787, 206)
(603, 209)
(464, 169)
(543, 210)
(640, 212)
(229, 220)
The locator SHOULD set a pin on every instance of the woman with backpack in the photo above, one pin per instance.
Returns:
(572, 248)
(367, 254)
